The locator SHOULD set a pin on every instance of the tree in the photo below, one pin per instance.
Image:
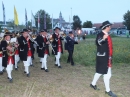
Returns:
(87, 24)
(126, 21)
(10, 23)
(48, 20)
(76, 22)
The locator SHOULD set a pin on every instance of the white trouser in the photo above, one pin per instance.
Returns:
(106, 79)
(9, 69)
(44, 62)
(27, 64)
(31, 61)
(16, 60)
(1, 68)
(58, 58)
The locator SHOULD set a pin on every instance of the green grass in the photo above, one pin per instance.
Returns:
(70, 81)
(85, 51)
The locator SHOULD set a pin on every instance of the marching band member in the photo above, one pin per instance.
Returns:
(104, 58)
(43, 49)
(25, 50)
(37, 38)
(33, 49)
(16, 56)
(69, 45)
(57, 46)
(1, 67)
(8, 50)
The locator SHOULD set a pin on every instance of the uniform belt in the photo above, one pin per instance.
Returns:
(29, 48)
(0, 52)
(59, 45)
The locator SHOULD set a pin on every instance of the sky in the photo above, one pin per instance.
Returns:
(96, 11)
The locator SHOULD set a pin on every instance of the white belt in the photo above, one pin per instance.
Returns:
(29, 48)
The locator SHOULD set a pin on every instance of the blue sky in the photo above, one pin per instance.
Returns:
(94, 10)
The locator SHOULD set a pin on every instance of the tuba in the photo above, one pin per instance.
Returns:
(12, 52)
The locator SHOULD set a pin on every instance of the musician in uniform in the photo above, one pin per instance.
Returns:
(33, 49)
(8, 53)
(57, 46)
(43, 49)
(16, 56)
(1, 67)
(69, 45)
(26, 50)
(37, 38)
(104, 58)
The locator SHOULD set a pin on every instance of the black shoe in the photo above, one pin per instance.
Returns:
(28, 75)
(56, 64)
(10, 80)
(16, 68)
(72, 64)
(94, 87)
(24, 71)
(40, 62)
(110, 93)
(59, 67)
(42, 68)
(1, 72)
(46, 70)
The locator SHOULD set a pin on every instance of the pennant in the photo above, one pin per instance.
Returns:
(33, 20)
(16, 22)
(26, 19)
(4, 19)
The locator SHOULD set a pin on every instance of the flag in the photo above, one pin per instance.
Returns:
(38, 21)
(4, 19)
(33, 20)
(45, 21)
(16, 22)
(26, 19)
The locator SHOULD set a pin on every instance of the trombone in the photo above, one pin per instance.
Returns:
(50, 39)
(32, 39)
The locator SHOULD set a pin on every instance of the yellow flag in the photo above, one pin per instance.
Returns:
(16, 22)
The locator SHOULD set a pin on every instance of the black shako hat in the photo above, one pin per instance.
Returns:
(44, 30)
(57, 28)
(105, 24)
(24, 30)
(7, 34)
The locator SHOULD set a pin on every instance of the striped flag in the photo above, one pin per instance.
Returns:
(33, 20)
(4, 19)
(26, 19)
(45, 21)
(16, 22)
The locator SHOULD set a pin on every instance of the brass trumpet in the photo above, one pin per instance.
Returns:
(62, 34)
